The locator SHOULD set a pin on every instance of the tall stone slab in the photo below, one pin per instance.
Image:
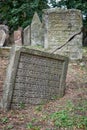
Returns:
(18, 37)
(27, 36)
(4, 61)
(36, 31)
(59, 26)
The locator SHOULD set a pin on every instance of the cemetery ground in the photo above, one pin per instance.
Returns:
(66, 113)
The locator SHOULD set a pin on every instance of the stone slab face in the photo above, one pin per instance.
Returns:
(59, 26)
(36, 31)
(4, 60)
(33, 77)
(18, 37)
(27, 36)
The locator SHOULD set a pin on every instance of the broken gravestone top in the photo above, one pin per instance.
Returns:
(2, 37)
(4, 34)
(36, 31)
(59, 26)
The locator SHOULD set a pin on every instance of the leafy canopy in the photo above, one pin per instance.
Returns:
(17, 13)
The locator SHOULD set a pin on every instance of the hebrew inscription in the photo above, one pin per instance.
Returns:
(59, 26)
(39, 76)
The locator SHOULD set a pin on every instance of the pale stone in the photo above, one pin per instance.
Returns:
(18, 37)
(2, 37)
(5, 28)
(36, 31)
(59, 26)
(26, 36)
(33, 77)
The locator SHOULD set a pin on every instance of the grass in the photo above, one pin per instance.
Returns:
(4, 120)
(71, 116)
(39, 108)
(21, 105)
(30, 126)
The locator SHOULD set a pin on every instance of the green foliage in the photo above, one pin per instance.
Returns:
(9, 127)
(38, 108)
(31, 127)
(70, 117)
(62, 119)
(4, 120)
(20, 12)
(21, 105)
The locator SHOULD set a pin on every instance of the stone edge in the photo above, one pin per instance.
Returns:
(12, 69)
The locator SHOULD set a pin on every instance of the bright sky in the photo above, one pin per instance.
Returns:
(55, 0)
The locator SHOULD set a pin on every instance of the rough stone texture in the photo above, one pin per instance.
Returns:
(59, 26)
(33, 77)
(5, 28)
(4, 58)
(4, 35)
(36, 31)
(18, 37)
(27, 36)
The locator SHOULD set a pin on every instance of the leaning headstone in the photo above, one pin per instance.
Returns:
(59, 26)
(18, 37)
(33, 77)
(27, 36)
(36, 31)
(4, 35)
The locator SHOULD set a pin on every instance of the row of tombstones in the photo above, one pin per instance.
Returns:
(20, 36)
(23, 37)
(56, 28)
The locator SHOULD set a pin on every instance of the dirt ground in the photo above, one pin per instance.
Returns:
(76, 90)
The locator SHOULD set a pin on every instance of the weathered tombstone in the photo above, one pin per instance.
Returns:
(36, 31)
(18, 37)
(5, 28)
(59, 26)
(26, 36)
(4, 35)
(2, 38)
(33, 77)
(4, 60)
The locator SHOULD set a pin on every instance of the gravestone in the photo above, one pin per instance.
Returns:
(2, 38)
(36, 31)
(27, 36)
(33, 77)
(59, 26)
(4, 60)
(18, 37)
(4, 35)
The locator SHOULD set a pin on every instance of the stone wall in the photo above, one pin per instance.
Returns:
(33, 77)
(4, 57)
(59, 26)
